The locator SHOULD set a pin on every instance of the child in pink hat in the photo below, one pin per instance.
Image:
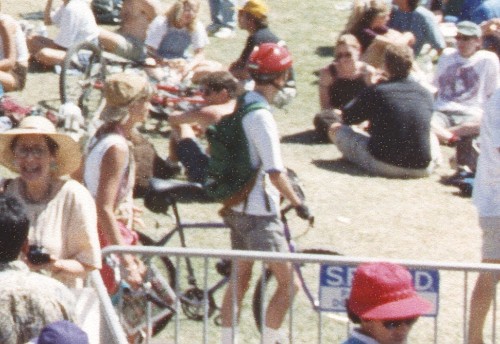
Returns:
(385, 304)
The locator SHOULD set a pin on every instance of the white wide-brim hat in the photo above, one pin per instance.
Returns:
(68, 155)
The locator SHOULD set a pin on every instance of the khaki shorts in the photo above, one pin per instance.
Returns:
(255, 233)
(491, 237)
(131, 48)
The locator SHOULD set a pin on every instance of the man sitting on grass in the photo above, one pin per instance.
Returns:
(219, 92)
(77, 24)
(398, 140)
(128, 40)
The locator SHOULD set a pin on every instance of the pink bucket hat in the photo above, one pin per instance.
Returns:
(382, 291)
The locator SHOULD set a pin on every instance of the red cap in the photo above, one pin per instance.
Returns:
(385, 291)
(269, 58)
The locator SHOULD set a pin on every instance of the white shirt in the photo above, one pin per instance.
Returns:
(265, 151)
(486, 191)
(76, 23)
(464, 84)
(158, 28)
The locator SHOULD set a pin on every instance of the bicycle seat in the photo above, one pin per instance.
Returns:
(164, 192)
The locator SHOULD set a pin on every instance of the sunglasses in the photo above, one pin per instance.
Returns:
(464, 38)
(393, 324)
(342, 55)
(24, 152)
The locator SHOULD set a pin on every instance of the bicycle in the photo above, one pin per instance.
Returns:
(258, 306)
(162, 287)
(164, 195)
(83, 73)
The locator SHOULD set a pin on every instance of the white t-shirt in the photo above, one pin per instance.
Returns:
(76, 23)
(486, 191)
(265, 151)
(464, 84)
(158, 28)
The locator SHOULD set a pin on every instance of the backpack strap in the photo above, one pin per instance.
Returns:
(242, 195)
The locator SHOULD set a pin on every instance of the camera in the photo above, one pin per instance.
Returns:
(38, 255)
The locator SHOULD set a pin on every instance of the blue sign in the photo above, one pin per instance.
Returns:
(336, 281)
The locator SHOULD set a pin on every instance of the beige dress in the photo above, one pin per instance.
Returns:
(66, 225)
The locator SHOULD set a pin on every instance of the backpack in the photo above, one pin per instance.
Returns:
(107, 11)
(231, 175)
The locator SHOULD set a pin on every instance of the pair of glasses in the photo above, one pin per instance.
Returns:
(393, 324)
(342, 55)
(464, 38)
(24, 152)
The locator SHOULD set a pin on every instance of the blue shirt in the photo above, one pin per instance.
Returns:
(422, 24)
(357, 337)
(468, 8)
(487, 10)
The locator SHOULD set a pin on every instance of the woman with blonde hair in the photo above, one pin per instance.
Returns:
(109, 169)
(368, 23)
(170, 36)
(341, 81)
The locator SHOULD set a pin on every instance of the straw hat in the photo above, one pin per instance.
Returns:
(120, 90)
(68, 155)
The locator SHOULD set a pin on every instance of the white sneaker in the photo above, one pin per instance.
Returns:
(224, 32)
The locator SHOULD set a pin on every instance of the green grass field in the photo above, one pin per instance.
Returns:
(356, 214)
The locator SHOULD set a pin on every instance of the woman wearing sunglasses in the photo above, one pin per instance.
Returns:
(341, 81)
(384, 303)
(346, 76)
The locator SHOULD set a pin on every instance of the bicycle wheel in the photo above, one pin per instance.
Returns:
(161, 277)
(261, 286)
(164, 264)
(82, 77)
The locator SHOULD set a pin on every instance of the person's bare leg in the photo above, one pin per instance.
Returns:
(108, 40)
(50, 56)
(444, 135)
(480, 303)
(9, 83)
(36, 43)
(243, 275)
(283, 295)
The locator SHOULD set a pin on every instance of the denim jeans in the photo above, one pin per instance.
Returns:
(223, 12)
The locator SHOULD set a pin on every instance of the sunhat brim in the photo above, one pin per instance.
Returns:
(410, 307)
(68, 155)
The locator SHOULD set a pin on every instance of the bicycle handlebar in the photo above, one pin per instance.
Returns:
(289, 207)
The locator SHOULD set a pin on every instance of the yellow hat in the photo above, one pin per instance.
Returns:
(257, 8)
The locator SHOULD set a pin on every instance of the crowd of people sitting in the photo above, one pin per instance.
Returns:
(378, 107)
